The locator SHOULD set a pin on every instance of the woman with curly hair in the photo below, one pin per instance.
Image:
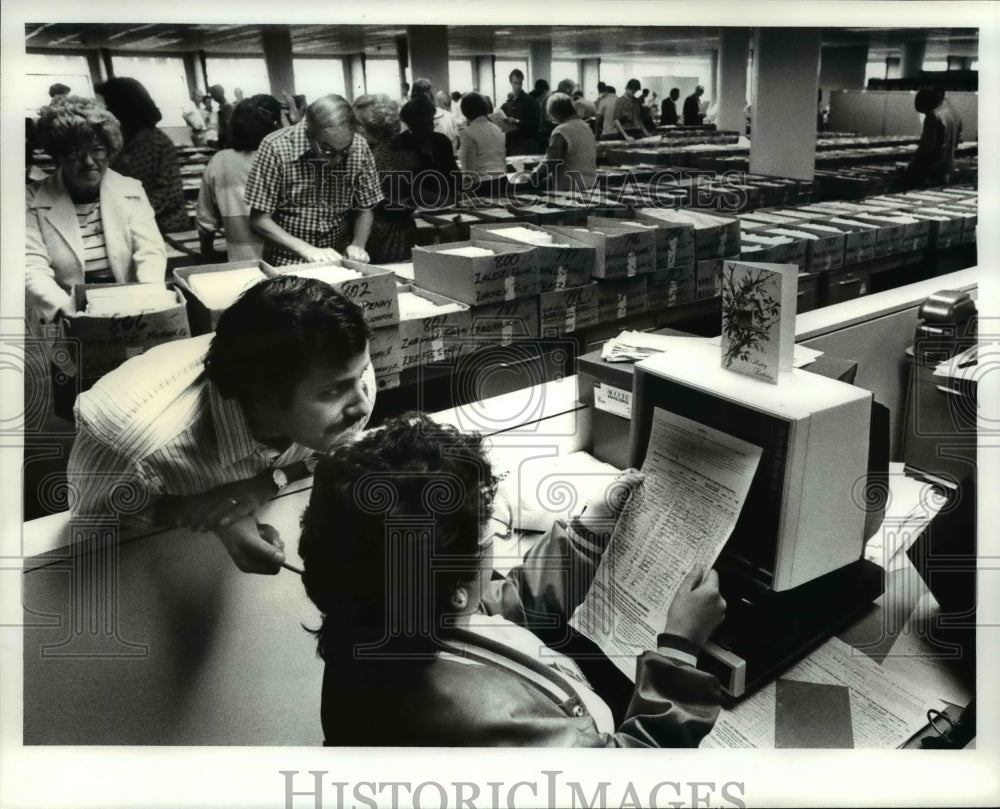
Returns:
(147, 153)
(86, 223)
(220, 199)
(424, 646)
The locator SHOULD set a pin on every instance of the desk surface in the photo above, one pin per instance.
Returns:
(177, 647)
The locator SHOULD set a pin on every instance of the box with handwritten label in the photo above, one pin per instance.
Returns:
(664, 257)
(432, 327)
(371, 287)
(562, 311)
(503, 323)
(619, 252)
(562, 262)
(671, 287)
(618, 298)
(115, 322)
(477, 272)
(675, 247)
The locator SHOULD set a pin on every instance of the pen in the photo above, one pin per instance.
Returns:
(291, 568)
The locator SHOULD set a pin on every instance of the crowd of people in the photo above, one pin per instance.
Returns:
(203, 432)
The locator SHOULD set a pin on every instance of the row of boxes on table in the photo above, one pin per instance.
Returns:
(833, 237)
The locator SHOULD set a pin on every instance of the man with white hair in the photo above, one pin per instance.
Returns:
(307, 180)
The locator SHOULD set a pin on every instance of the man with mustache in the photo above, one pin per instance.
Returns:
(201, 433)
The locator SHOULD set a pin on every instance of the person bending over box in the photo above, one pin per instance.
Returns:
(202, 432)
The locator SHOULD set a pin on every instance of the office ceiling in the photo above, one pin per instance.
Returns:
(507, 42)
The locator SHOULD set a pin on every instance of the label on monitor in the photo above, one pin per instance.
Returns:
(613, 400)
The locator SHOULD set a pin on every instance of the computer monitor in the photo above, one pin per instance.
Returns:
(805, 512)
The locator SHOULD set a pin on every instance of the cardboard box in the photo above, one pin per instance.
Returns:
(798, 251)
(889, 236)
(807, 297)
(570, 263)
(383, 347)
(678, 239)
(107, 341)
(671, 287)
(433, 338)
(664, 256)
(374, 292)
(944, 230)
(775, 249)
(618, 298)
(859, 239)
(563, 311)
(618, 252)
(202, 317)
(502, 323)
(708, 278)
(714, 236)
(827, 252)
(969, 220)
(509, 274)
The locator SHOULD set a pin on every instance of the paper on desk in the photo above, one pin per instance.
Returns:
(631, 346)
(697, 479)
(911, 505)
(801, 355)
(887, 708)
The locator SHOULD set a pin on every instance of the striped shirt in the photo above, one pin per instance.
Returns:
(156, 425)
(96, 267)
(304, 195)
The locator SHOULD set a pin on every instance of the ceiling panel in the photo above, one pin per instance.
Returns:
(568, 42)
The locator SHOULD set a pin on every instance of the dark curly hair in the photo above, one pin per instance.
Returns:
(393, 524)
(72, 121)
(253, 119)
(276, 330)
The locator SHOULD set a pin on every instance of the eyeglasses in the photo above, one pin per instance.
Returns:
(95, 152)
(501, 523)
(326, 151)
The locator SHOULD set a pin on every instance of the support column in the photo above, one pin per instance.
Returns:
(428, 46)
(354, 76)
(913, 59)
(484, 75)
(194, 71)
(277, 42)
(96, 67)
(590, 75)
(539, 64)
(786, 76)
(734, 49)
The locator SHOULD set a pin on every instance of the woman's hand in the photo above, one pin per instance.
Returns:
(600, 514)
(698, 607)
(355, 253)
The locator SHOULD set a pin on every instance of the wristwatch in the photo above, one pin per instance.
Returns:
(280, 478)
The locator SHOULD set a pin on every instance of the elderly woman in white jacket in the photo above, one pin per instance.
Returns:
(86, 224)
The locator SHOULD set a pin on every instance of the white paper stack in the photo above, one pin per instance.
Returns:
(413, 306)
(632, 346)
(403, 269)
(332, 274)
(218, 290)
(112, 300)
(528, 236)
(471, 251)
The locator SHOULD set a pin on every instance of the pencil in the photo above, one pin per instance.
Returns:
(291, 568)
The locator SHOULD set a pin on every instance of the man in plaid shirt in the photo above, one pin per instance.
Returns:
(306, 181)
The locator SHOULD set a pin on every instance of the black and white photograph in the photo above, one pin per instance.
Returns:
(383, 386)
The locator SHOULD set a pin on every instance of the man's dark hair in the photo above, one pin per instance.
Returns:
(610, 89)
(276, 331)
(417, 108)
(473, 105)
(601, 87)
(515, 73)
(412, 492)
(253, 119)
(675, 93)
(541, 85)
(633, 84)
